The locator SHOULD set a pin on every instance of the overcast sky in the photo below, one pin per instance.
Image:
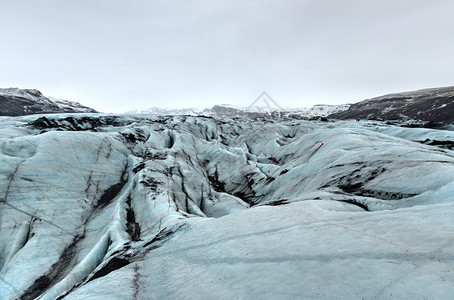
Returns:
(120, 55)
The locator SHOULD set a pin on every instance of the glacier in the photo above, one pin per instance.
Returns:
(99, 206)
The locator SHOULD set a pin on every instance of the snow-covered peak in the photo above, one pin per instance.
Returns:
(20, 92)
(321, 110)
(166, 111)
(70, 105)
(16, 102)
(31, 94)
(326, 109)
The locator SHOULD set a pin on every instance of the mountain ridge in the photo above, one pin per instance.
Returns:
(430, 105)
(20, 102)
(227, 110)
(434, 105)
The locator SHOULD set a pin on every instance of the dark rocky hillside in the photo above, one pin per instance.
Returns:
(432, 105)
(19, 102)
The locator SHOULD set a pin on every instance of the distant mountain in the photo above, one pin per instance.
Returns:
(166, 111)
(432, 105)
(19, 102)
(225, 110)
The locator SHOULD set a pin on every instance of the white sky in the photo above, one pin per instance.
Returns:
(120, 55)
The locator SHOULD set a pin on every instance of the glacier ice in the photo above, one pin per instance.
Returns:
(136, 206)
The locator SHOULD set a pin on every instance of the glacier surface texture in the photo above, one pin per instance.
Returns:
(98, 206)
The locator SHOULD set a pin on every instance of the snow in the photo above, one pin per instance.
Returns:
(412, 95)
(181, 207)
(50, 104)
(26, 93)
(321, 110)
(166, 111)
(67, 104)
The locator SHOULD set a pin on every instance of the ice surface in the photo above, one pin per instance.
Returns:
(147, 207)
(305, 250)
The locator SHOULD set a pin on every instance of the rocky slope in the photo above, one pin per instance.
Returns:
(431, 105)
(179, 207)
(20, 102)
